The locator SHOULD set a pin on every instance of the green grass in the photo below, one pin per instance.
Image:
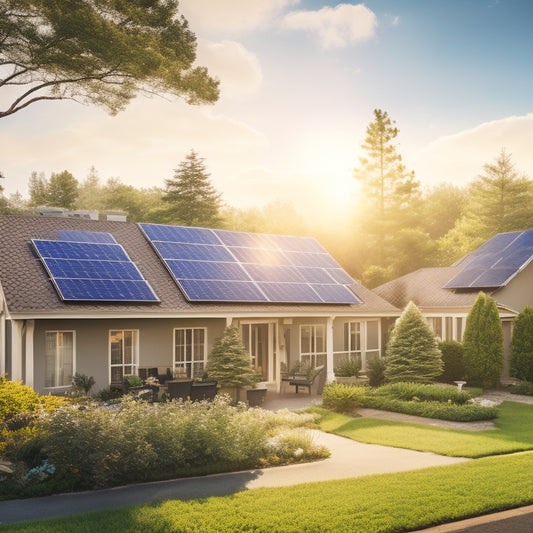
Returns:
(514, 433)
(383, 503)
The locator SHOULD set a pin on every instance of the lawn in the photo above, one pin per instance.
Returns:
(386, 503)
(514, 433)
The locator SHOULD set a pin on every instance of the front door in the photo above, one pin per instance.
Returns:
(258, 341)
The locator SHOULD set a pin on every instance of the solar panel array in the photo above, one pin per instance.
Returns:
(212, 265)
(91, 266)
(494, 263)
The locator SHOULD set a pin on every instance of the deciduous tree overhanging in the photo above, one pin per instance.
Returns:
(100, 52)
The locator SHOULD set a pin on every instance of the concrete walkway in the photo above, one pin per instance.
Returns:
(348, 459)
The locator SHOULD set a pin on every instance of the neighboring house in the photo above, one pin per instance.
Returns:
(501, 268)
(105, 298)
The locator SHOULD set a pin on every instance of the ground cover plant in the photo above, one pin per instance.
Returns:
(385, 503)
(513, 433)
(99, 446)
(524, 387)
(447, 403)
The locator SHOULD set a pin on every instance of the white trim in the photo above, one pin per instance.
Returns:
(30, 328)
(17, 327)
(329, 349)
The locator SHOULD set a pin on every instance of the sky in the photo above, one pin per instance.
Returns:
(299, 82)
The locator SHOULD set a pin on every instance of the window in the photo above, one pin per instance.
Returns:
(435, 323)
(124, 354)
(352, 337)
(313, 345)
(59, 358)
(448, 325)
(459, 332)
(190, 351)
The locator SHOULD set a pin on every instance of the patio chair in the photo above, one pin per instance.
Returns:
(203, 390)
(317, 374)
(179, 388)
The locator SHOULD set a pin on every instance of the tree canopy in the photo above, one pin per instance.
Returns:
(101, 52)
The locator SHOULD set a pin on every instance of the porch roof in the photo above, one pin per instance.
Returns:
(29, 293)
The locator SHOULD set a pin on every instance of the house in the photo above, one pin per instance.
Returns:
(106, 298)
(502, 268)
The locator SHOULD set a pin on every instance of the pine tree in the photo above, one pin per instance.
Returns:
(413, 354)
(191, 199)
(522, 345)
(229, 363)
(483, 343)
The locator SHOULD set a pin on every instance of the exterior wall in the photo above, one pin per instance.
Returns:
(519, 292)
(156, 337)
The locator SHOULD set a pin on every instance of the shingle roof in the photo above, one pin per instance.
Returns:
(425, 288)
(28, 290)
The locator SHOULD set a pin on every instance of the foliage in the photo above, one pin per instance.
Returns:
(190, 197)
(483, 343)
(136, 441)
(375, 372)
(423, 393)
(82, 383)
(342, 398)
(386, 503)
(412, 350)
(375, 275)
(109, 393)
(102, 53)
(524, 387)
(134, 381)
(228, 363)
(348, 368)
(16, 398)
(522, 345)
(452, 358)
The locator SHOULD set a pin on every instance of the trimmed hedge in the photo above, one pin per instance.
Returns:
(425, 393)
(342, 397)
(524, 387)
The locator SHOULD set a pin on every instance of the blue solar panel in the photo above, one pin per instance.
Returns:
(290, 292)
(156, 232)
(336, 294)
(104, 290)
(222, 291)
(207, 270)
(494, 263)
(276, 273)
(197, 252)
(86, 236)
(89, 271)
(230, 266)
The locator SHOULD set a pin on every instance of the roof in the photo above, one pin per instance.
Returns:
(425, 287)
(28, 291)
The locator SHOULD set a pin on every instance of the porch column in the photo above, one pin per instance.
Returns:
(329, 349)
(2, 343)
(30, 326)
(229, 321)
(17, 327)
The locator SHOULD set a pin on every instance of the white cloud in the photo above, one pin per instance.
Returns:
(238, 69)
(231, 16)
(460, 158)
(335, 27)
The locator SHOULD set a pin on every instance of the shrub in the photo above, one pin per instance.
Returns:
(452, 358)
(524, 387)
(109, 393)
(522, 345)
(342, 398)
(83, 384)
(16, 398)
(412, 350)
(483, 343)
(375, 371)
(229, 363)
(424, 393)
(348, 368)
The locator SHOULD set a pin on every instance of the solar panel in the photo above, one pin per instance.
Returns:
(231, 266)
(93, 271)
(86, 236)
(496, 262)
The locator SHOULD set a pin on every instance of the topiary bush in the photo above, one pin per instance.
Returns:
(452, 358)
(342, 397)
(16, 398)
(522, 345)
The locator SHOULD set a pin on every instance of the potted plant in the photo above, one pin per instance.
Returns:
(229, 365)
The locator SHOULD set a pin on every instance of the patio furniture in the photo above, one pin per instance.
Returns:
(179, 388)
(203, 390)
(317, 374)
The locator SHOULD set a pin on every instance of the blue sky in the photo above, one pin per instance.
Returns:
(300, 80)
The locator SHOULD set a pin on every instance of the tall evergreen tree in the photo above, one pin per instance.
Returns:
(38, 189)
(522, 345)
(412, 351)
(483, 343)
(63, 190)
(191, 198)
(388, 188)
